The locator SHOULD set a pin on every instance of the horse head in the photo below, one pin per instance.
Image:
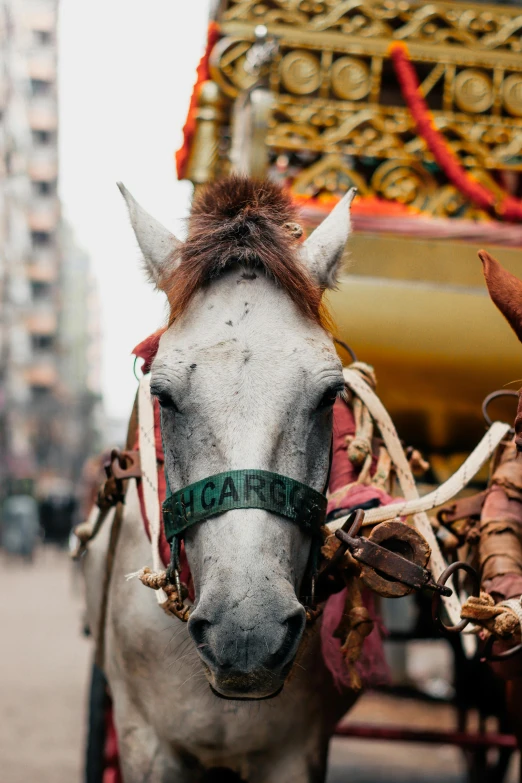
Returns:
(246, 376)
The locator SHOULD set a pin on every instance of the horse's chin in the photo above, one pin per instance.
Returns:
(240, 686)
(250, 697)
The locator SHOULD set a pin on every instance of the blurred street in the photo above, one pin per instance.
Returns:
(43, 670)
(44, 661)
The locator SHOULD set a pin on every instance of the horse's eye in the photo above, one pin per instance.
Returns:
(166, 402)
(328, 399)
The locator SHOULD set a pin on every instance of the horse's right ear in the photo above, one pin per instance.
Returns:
(505, 290)
(323, 251)
(160, 248)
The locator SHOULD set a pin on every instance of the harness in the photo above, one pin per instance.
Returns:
(244, 489)
(281, 495)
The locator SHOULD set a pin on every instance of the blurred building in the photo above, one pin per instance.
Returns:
(78, 388)
(46, 403)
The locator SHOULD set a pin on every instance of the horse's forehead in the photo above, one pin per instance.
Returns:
(300, 348)
(228, 321)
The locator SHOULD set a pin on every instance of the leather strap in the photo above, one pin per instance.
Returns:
(99, 655)
(241, 489)
(463, 508)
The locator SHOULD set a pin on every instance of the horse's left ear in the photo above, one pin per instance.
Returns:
(505, 290)
(160, 248)
(323, 251)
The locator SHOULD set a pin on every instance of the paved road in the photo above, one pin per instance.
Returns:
(43, 667)
(44, 662)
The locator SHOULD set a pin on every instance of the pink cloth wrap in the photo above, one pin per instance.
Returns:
(372, 666)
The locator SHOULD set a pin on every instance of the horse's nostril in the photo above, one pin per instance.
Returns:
(295, 624)
(198, 629)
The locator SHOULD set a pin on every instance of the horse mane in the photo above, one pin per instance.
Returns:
(241, 221)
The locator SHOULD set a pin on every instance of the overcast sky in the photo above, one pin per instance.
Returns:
(126, 73)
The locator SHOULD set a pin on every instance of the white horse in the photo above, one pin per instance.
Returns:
(246, 376)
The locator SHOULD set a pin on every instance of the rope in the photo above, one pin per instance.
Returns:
(446, 491)
(149, 474)
(413, 504)
(503, 620)
(159, 581)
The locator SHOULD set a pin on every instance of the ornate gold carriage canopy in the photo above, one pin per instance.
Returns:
(419, 105)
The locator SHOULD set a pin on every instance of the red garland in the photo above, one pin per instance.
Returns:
(508, 207)
(202, 75)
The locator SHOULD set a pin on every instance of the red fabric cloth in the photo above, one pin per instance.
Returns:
(111, 768)
(344, 473)
(357, 495)
(372, 665)
(148, 349)
(504, 587)
(498, 505)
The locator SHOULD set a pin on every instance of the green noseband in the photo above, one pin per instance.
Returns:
(239, 489)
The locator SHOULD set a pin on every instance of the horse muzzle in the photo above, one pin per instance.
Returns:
(247, 658)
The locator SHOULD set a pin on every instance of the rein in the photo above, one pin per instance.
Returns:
(241, 489)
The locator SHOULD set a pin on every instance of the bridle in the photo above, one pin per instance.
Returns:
(245, 489)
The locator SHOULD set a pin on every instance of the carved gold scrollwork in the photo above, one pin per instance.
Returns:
(512, 94)
(253, 11)
(446, 202)
(293, 136)
(506, 34)
(351, 79)
(227, 66)
(338, 116)
(430, 23)
(466, 141)
(371, 130)
(510, 153)
(353, 17)
(300, 72)
(404, 181)
(473, 91)
(480, 27)
(242, 10)
(330, 175)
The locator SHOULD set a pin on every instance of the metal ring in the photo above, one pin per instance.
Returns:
(459, 565)
(134, 369)
(486, 652)
(493, 396)
(346, 348)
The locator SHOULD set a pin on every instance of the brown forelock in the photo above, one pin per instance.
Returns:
(505, 290)
(240, 221)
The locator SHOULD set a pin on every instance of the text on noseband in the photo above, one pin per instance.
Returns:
(242, 489)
